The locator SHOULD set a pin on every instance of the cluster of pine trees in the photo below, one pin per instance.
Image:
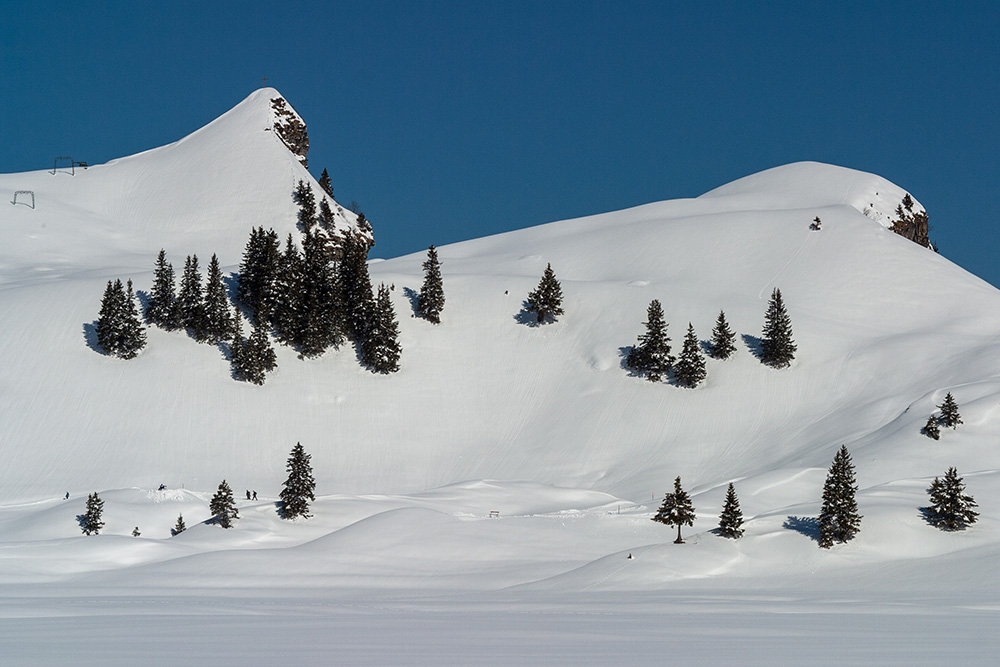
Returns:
(296, 494)
(119, 330)
(651, 356)
(949, 417)
(839, 520)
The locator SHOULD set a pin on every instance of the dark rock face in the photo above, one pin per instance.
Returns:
(291, 130)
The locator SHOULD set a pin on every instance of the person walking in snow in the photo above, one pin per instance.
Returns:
(255, 494)
(248, 494)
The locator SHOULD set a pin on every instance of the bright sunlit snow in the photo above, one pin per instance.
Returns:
(542, 427)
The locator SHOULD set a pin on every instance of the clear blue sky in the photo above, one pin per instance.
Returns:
(453, 120)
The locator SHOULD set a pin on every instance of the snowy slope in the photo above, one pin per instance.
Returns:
(542, 424)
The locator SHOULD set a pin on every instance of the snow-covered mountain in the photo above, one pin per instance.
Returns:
(488, 413)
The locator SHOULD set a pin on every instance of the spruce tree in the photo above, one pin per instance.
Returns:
(777, 347)
(723, 338)
(190, 300)
(111, 317)
(676, 510)
(950, 508)
(257, 358)
(91, 520)
(546, 299)
(307, 205)
(179, 527)
(326, 218)
(259, 273)
(430, 301)
(949, 412)
(133, 333)
(324, 183)
(731, 519)
(237, 348)
(380, 350)
(218, 321)
(288, 295)
(299, 488)
(651, 355)
(223, 506)
(931, 429)
(355, 287)
(689, 370)
(162, 307)
(319, 306)
(839, 520)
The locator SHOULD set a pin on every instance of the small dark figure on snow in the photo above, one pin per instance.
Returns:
(248, 494)
(135, 532)
(255, 495)
(67, 496)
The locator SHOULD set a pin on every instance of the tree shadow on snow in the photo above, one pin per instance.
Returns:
(527, 317)
(806, 525)
(143, 297)
(82, 520)
(90, 337)
(414, 300)
(706, 347)
(755, 345)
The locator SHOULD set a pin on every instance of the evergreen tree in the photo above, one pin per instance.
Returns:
(319, 306)
(777, 347)
(355, 287)
(652, 353)
(430, 302)
(731, 519)
(218, 321)
(179, 527)
(223, 506)
(300, 485)
(839, 520)
(324, 183)
(931, 429)
(949, 412)
(259, 273)
(91, 520)
(119, 330)
(326, 218)
(237, 348)
(676, 510)
(689, 370)
(950, 508)
(723, 338)
(288, 293)
(307, 205)
(546, 299)
(257, 358)
(380, 351)
(133, 333)
(190, 303)
(162, 307)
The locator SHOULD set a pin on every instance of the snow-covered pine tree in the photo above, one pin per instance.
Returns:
(546, 299)
(307, 205)
(723, 338)
(162, 307)
(651, 355)
(190, 302)
(259, 273)
(731, 518)
(380, 351)
(133, 336)
(325, 184)
(91, 521)
(430, 301)
(218, 322)
(949, 412)
(931, 429)
(326, 218)
(237, 345)
(951, 508)
(257, 358)
(777, 347)
(288, 292)
(676, 510)
(839, 520)
(223, 506)
(111, 318)
(300, 486)
(355, 287)
(319, 305)
(179, 527)
(689, 370)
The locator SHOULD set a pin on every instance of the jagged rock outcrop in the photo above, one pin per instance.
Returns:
(911, 224)
(291, 129)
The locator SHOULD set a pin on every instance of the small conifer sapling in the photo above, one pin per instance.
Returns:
(931, 428)
(951, 508)
(651, 355)
(546, 299)
(91, 521)
(300, 485)
(676, 510)
(777, 347)
(839, 520)
(223, 506)
(731, 518)
(430, 301)
(689, 371)
(949, 412)
(723, 338)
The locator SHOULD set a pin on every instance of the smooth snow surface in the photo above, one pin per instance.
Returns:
(401, 562)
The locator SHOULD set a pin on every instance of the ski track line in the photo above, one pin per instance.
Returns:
(786, 265)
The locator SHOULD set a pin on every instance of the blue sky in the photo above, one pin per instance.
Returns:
(453, 120)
